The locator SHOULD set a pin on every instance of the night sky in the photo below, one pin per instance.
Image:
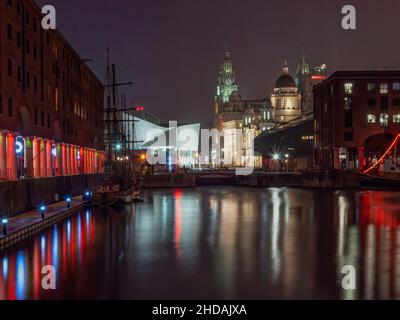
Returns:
(172, 49)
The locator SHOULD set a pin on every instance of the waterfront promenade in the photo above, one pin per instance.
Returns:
(27, 224)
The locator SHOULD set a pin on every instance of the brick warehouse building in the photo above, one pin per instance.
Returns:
(357, 114)
(51, 104)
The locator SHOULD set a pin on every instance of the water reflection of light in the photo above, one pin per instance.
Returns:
(276, 259)
(370, 262)
(5, 268)
(43, 247)
(69, 231)
(55, 247)
(87, 225)
(20, 275)
(343, 207)
(80, 246)
(178, 221)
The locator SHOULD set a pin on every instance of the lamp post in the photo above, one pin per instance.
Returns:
(68, 202)
(287, 162)
(4, 222)
(42, 210)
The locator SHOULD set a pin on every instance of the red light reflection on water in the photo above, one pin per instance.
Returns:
(20, 270)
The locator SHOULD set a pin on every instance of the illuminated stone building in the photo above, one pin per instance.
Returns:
(231, 112)
(51, 104)
(286, 99)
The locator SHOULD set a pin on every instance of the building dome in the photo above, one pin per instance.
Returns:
(285, 80)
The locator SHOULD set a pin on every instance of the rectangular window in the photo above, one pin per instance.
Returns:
(28, 79)
(9, 32)
(28, 47)
(371, 86)
(371, 102)
(384, 120)
(348, 120)
(348, 136)
(34, 25)
(36, 116)
(48, 121)
(371, 118)
(19, 75)
(19, 39)
(348, 88)
(384, 102)
(35, 83)
(396, 101)
(396, 86)
(35, 52)
(10, 68)
(9, 3)
(42, 118)
(10, 107)
(27, 17)
(384, 88)
(396, 118)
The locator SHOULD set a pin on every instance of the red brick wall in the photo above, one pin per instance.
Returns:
(77, 117)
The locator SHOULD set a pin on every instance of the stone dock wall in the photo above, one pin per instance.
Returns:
(24, 195)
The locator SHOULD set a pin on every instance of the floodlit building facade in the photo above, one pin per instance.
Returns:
(51, 104)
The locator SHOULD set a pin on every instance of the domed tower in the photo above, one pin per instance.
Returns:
(286, 99)
(227, 90)
(226, 80)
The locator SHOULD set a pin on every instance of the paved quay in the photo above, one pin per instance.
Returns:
(30, 223)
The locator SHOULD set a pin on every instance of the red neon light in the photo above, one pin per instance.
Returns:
(384, 155)
(139, 108)
(318, 78)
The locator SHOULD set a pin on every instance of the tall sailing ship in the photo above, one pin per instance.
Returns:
(121, 185)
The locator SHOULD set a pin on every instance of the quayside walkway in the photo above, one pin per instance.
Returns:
(30, 223)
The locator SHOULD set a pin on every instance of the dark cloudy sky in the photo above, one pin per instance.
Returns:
(172, 49)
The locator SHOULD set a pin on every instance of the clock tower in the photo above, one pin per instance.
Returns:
(226, 80)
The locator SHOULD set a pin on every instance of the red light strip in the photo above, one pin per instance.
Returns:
(384, 155)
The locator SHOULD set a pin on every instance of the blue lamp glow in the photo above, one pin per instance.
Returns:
(68, 202)
(42, 211)
(4, 222)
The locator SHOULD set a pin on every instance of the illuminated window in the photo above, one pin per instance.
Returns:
(371, 118)
(384, 120)
(348, 88)
(371, 86)
(396, 118)
(396, 86)
(384, 88)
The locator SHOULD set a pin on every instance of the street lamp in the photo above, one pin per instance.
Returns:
(276, 156)
(68, 202)
(4, 222)
(87, 195)
(42, 210)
